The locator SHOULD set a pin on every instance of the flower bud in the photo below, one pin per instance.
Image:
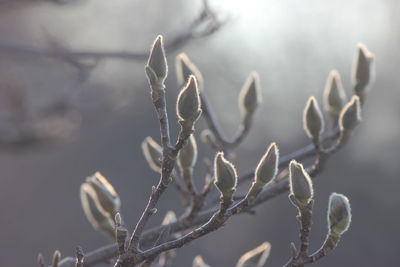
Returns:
(363, 66)
(334, 96)
(187, 156)
(313, 122)
(108, 200)
(199, 262)
(225, 176)
(118, 219)
(170, 217)
(95, 216)
(256, 257)
(339, 214)
(56, 258)
(185, 68)
(40, 260)
(188, 105)
(350, 116)
(152, 153)
(156, 68)
(250, 95)
(268, 166)
(300, 183)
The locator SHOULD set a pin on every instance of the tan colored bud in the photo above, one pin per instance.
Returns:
(187, 156)
(350, 116)
(334, 96)
(250, 95)
(256, 257)
(313, 121)
(185, 68)
(108, 200)
(95, 216)
(199, 262)
(152, 153)
(267, 168)
(339, 214)
(188, 104)
(170, 217)
(225, 175)
(300, 183)
(157, 68)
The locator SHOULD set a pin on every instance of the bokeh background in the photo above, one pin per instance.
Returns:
(59, 124)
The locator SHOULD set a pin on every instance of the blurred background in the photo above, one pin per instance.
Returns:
(74, 100)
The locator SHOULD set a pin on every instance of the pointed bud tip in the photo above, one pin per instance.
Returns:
(334, 96)
(350, 116)
(250, 95)
(313, 121)
(300, 183)
(267, 168)
(157, 68)
(188, 104)
(225, 175)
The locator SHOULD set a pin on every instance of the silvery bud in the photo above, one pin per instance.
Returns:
(313, 122)
(350, 116)
(187, 155)
(256, 257)
(301, 187)
(363, 66)
(267, 168)
(339, 214)
(56, 258)
(152, 153)
(225, 176)
(250, 95)
(188, 104)
(156, 68)
(334, 96)
(90, 206)
(108, 200)
(185, 68)
(199, 262)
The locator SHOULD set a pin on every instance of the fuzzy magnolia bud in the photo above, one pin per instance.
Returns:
(339, 214)
(301, 188)
(268, 166)
(156, 68)
(188, 105)
(334, 96)
(350, 116)
(185, 68)
(313, 122)
(152, 153)
(250, 95)
(199, 262)
(95, 216)
(118, 219)
(363, 67)
(108, 200)
(256, 257)
(225, 176)
(56, 258)
(187, 156)
(170, 217)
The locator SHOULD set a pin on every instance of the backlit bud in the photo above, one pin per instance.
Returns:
(334, 96)
(108, 200)
(268, 166)
(225, 176)
(300, 183)
(199, 262)
(185, 68)
(187, 156)
(152, 153)
(350, 116)
(188, 104)
(56, 258)
(313, 122)
(256, 257)
(156, 68)
(339, 214)
(250, 95)
(363, 66)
